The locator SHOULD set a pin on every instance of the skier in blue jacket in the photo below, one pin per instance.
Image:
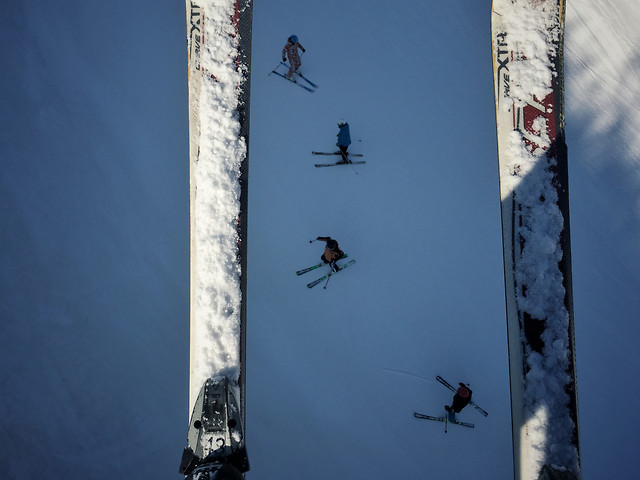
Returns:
(344, 139)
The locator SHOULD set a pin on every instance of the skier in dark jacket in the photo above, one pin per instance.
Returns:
(291, 51)
(460, 400)
(344, 139)
(332, 252)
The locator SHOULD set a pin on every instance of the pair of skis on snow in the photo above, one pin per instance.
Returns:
(311, 88)
(451, 417)
(342, 162)
(326, 277)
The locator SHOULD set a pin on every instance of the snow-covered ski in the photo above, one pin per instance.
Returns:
(528, 69)
(339, 163)
(330, 274)
(293, 81)
(444, 419)
(305, 270)
(225, 37)
(453, 389)
(337, 153)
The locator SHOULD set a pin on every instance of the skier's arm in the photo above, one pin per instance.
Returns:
(324, 239)
(301, 47)
(284, 54)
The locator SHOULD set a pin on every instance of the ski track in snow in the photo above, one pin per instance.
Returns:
(602, 74)
(605, 65)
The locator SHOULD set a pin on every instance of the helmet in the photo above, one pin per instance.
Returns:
(332, 244)
(341, 121)
(293, 39)
(463, 392)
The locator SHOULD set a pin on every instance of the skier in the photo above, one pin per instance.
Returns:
(344, 139)
(332, 252)
(291, 51)
(460, 400)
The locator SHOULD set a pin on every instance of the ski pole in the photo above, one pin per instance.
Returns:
(327, 282)
(274, 68)
(345, 157)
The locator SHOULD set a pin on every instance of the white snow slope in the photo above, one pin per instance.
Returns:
(602, 73)
(426, 295)
(94, 251)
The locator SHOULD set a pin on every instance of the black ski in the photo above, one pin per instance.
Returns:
(305, 270)
(318, 165)
(337, 153)
(453, 389)
(330, 274)
(445, 420)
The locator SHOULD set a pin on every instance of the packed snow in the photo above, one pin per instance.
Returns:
(527, 23)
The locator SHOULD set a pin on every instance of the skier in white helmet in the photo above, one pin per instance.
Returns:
(291, 51)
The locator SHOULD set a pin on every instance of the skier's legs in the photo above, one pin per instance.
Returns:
(343, 151)
(452, 416)
(331, 263)
(294, 61)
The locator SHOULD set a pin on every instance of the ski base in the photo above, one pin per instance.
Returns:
(422, 416)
